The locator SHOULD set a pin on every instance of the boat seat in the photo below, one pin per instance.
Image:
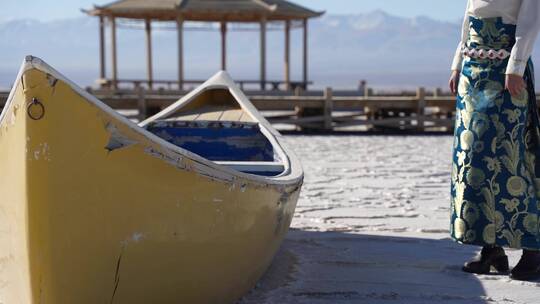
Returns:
(231, 141)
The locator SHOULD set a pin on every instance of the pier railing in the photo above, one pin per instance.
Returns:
(175, 85)
(324, 111)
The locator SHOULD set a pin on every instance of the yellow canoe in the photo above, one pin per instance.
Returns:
(190, 206)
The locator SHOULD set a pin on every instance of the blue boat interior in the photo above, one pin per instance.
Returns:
(221, 132)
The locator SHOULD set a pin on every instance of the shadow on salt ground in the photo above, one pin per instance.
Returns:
(334, 267)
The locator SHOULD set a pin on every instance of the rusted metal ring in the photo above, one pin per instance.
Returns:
(32, 111)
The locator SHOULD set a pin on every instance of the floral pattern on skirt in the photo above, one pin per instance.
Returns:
(495, 174)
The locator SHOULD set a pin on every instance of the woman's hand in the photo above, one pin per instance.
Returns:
(514, 84)
(454, 81)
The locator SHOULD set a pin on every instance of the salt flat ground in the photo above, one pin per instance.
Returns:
(372, 227)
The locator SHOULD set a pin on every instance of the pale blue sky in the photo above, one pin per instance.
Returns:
(44, 10)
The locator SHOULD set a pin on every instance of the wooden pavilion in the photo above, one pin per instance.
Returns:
(220, 11)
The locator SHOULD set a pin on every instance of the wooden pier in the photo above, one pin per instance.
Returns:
(313, 111)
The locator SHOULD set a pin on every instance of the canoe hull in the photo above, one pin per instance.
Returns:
(104, 214)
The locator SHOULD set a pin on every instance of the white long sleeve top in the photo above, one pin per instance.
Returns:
(525, 14)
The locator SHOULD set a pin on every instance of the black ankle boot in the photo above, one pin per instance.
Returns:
(528, 267)
(488, 257)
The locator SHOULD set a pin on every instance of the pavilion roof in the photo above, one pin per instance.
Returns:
(205, 10)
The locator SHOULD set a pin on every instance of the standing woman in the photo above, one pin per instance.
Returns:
(496, 160)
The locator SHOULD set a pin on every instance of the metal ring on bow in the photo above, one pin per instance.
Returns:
(35, 110)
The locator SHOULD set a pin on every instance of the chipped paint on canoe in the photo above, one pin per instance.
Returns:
(65, 218)
(117, 140)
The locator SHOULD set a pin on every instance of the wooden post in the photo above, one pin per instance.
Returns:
(141, 103)
(298, 91)
(180, 30)
(370, 110)
(148, 28)
(420, 118)
(263, 54)
(102, 67)
(223, 45)
(328, 109)
(113, 54)
(368, 92)
(305, 54)
(287, 55)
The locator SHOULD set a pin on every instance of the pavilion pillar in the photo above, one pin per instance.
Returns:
(180, 30)
(305, 54)
(263, 54)
(113, 54)
(149, 68)
(287, 55)
(102, 70)
(223, 45)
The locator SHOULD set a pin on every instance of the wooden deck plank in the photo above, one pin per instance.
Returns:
(213, 114)
(210, 115)
(232, 115)
(245, 117)
(187, 117)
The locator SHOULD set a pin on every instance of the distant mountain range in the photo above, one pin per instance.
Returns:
(386, 50)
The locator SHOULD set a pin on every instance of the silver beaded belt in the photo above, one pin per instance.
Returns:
(485, 53)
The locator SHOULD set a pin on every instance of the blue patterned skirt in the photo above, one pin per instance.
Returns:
(495, 174)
